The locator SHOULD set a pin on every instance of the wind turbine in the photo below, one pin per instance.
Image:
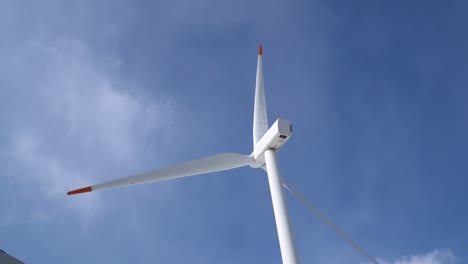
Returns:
(266, 142)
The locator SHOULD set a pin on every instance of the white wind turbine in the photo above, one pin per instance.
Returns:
(266, 142)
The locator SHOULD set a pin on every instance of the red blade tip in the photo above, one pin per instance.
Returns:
(82, 190)
(260, 50)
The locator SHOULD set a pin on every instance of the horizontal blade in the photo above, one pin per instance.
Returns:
(209, 164)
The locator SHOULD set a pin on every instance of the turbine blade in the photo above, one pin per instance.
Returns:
(260, 124)
(327, 221)
(208, 164)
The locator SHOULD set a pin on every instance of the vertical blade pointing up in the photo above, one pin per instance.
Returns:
(260, 124)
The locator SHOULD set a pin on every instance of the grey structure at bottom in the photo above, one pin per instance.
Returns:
(7, 259)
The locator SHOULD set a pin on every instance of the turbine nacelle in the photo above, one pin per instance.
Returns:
(273, 139)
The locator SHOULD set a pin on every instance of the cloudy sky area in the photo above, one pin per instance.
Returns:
(95, 91)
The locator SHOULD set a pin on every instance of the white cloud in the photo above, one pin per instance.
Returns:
(48, 178)
(84, 120)
(437, 256)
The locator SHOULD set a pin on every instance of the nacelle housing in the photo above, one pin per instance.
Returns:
(274, 139)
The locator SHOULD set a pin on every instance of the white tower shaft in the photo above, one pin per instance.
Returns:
(285, 235)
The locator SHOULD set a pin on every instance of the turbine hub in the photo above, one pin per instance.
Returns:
(274, 139)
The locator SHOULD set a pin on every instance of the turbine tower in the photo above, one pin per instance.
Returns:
(266, 142)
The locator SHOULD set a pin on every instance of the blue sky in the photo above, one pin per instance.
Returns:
(95, 91)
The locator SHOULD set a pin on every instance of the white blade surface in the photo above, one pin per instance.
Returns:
(260, 124)
(208, 164)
